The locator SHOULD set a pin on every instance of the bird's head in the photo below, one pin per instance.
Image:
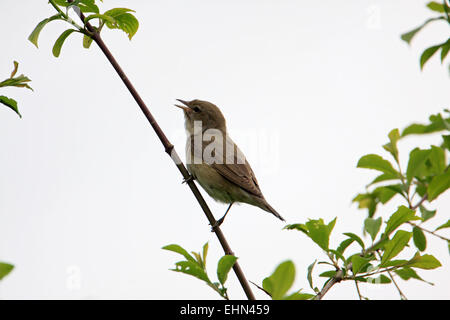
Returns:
(198, 110)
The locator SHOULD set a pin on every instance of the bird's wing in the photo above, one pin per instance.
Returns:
(236, 169)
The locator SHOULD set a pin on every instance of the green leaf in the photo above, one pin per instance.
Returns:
(416, 163)
(391, 147)
(16, 66)
(407, 273)
(444, 50)
(281, 280)
(178, 249)
(426, 262)
(10, 103)
(408, 36)
(394, 246)
(402, 215)
(124, 21)
(426, 214)
(191, 268)
(367, 200)
(386, 193)
(60, 41)
(205, 253)
(419, 239)
(383, 177)
(34, 36)
(436, 161)
(355, 238)
(358, 263)
(320, 232)
(437, 123)
(299, 296)
(87, 41)
(375, 162)
(381, 279)
(443, 226)
(309, 275)
(446, 143)
(372, 226)
(5, 269)
(435, 6)
(224, 266)
(427, 54)
(328, 274)
(297, 226)
(344, 245)
(438, 185)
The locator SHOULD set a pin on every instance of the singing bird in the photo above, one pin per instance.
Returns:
(216, 162)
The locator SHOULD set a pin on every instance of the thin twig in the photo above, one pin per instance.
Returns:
(170, 150)
(338, 277)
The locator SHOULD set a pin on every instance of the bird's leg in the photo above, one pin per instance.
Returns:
(220, 221)
(190, 178)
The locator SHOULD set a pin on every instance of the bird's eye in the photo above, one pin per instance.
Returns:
(196, 109)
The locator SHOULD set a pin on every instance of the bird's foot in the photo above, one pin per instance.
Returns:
(188, 179)
(217, 224)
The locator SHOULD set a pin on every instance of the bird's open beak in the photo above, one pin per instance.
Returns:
(185, 107)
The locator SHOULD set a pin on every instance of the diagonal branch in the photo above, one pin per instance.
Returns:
(170, 150)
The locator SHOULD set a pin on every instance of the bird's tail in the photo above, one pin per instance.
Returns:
(267, 207)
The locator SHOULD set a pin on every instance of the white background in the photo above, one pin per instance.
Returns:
(88, 197)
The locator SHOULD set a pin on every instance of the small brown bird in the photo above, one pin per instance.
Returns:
(215, 161)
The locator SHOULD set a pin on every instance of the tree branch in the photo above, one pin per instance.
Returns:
(170, 150)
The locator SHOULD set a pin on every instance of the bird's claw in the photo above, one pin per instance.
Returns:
(217, 224)
(188, 179)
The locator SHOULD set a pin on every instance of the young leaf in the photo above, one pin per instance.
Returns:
(419, 239)
(224, 266)
(391, 147)
(435, 6)
(320, 232)
(407, 273)
(408, 36)
(5, 269)
(437, 123)
(416, 163)
(372, 226)
(10, 103)
(355, 238)
(191, 268)
(438, 185)
(299, 296)
(394, 246)
(87, 41)
(375, 162)
(124, 21)
(426, 261)
(309, 276)
(444, 50)
(178, 249)
(358, 263)
(60, 41)
(427, 54)
(34, 36)
(402, 215)
(281, 280)
(443, 226)
(426, 214)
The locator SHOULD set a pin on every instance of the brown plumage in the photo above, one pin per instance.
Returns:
(223, 171)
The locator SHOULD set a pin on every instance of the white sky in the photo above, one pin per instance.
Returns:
(88, 197)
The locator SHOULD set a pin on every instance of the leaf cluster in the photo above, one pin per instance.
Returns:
(20, 81)
(195, 265)
(443, 10)
(117, 18)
